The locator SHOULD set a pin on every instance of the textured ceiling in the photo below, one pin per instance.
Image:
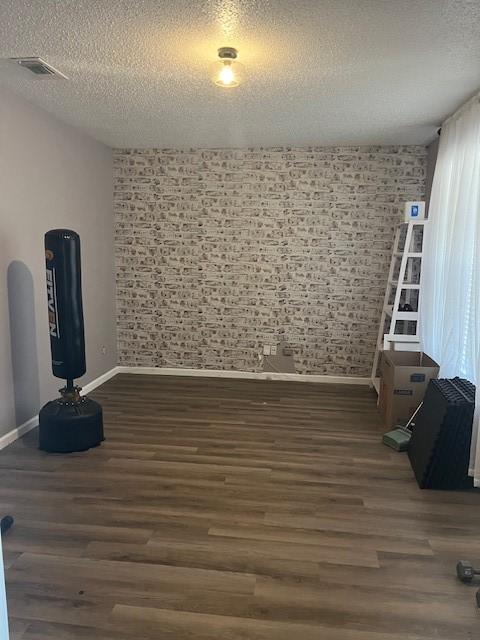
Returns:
(317, 71)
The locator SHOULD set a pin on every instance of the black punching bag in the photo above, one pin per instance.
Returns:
(71, 422)
(64, 295)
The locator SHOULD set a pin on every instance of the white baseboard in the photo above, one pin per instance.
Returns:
(90, 386)
(30, 424)
(250, 375)
(18, 432)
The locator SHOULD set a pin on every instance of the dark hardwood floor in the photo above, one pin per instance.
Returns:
(234, 510)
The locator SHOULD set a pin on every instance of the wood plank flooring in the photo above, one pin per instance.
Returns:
(234, 510)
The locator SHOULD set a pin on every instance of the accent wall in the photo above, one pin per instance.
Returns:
(219, 252)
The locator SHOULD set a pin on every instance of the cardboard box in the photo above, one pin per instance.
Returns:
(404, 380)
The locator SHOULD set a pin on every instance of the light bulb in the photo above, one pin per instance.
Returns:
(226, 76)
(227, 72)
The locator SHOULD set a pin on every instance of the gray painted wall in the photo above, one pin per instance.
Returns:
(51, 175)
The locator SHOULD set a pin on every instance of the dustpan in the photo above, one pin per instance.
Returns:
(399, 437)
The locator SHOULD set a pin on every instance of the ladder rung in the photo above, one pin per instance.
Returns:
(405, 285)
(399, 337)
(401, 315)
(409, 254)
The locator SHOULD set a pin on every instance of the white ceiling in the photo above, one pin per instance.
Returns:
(317, 71)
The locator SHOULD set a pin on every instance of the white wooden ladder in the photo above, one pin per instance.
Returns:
(403, 291)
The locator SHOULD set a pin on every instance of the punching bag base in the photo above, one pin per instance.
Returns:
(65, 427)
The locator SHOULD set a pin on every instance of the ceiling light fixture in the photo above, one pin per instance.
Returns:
(227, 72)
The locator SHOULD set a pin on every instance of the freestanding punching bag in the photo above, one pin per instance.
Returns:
(71, 422)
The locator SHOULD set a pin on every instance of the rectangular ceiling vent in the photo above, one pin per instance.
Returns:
(39, 67)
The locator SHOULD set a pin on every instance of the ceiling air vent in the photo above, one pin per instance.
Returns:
(38, 67)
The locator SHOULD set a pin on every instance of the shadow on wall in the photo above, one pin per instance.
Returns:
(23, 341)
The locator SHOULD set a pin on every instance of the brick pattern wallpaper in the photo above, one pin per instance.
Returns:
(221, 251)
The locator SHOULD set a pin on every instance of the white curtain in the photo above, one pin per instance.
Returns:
(450, 304)
(3, 600)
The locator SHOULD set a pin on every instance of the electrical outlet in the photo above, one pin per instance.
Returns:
(273, 350)
(266, 349)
